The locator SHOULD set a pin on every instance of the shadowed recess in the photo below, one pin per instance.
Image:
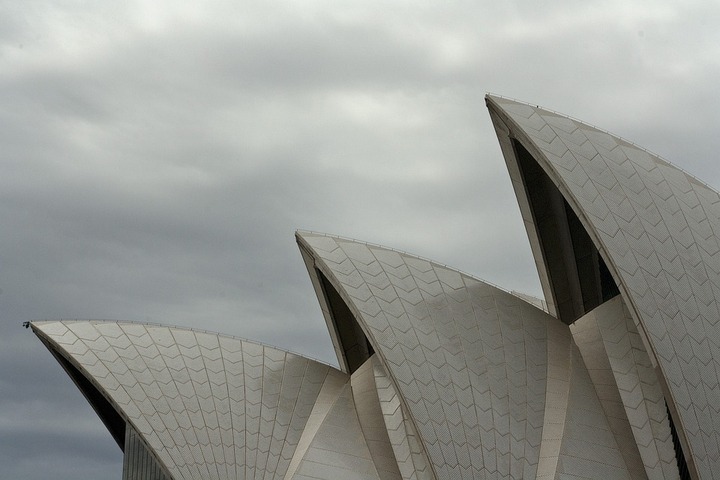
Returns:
(107, 413)
(579, 278)
(355, 345)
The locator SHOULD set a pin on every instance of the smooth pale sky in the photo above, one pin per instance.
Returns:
(156, 158)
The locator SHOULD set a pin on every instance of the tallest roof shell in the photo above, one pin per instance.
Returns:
(656, 228)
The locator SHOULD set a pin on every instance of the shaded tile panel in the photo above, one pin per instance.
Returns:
(339, 448)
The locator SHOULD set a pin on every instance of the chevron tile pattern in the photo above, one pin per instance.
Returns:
(457, 351)
(658, 228)
(445, 376)
(621, 369)
(407, 449)
(457, 358)
(209, 406)
(370, 415)
(200, 405)
(589, 341)
(590, 448)
(138, 461)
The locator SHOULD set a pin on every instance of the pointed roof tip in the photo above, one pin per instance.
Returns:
(491, 99)
(301, 234)
(36, 326)
(497, 98)
(305, 234)
(513, 110)
(310, 243)
(506, 106)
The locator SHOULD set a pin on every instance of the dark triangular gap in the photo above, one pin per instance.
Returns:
(354, 343)
(579, 278)
(608, 286)
(104, 409)
(679, 454)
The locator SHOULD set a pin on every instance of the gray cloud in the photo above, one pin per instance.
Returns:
(157, 158)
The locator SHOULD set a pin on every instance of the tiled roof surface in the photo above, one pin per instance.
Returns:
(209, 406)
(658, 228)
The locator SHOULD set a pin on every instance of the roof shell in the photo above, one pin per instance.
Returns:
(657, 229)
(206, 405)
(469, 362)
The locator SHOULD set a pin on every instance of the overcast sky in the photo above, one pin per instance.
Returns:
(157, 157)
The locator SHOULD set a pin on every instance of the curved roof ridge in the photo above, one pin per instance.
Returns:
(191, 329)
(694, 177)
(413, 255)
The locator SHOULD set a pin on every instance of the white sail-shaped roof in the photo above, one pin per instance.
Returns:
(206, 405)
(443, 376)
(655, 229)
(470, 363)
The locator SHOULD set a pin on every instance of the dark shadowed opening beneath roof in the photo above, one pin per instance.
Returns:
(679, 454)
(354, 343)
(579, 278)
(107, 413)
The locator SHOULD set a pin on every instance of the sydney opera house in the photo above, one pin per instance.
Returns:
(614, 375)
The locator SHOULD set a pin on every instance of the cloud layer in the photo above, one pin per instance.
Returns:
(157, 157)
